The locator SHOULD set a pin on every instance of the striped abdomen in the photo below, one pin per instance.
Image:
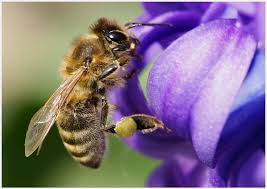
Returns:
(80, 129)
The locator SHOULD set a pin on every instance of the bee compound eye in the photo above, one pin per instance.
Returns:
(117, 36)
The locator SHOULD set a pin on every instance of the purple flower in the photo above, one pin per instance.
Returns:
(208, 87)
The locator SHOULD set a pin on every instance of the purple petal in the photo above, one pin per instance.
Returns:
(248, 173)
(185, 83)
(143, 18)
(244, 131)
(260, 24)
(215, 179)
(188, 172)
(167, 175)
(152, 52)
(181, 22)
(155, 9)
(240, 146)
(160, 145)
(213, 106)
(253, 16)
(165, 42)
(252, 173)
(254, 83)
(179, 172)
(246, 8)
(242, 11)
(215, 11)
(197, 6)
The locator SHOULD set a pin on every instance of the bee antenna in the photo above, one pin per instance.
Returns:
(134, 24)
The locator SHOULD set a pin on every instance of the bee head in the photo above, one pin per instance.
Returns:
(115, 36)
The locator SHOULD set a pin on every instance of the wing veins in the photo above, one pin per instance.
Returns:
(45, 117)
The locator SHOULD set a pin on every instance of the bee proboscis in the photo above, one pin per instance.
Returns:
(96, 62)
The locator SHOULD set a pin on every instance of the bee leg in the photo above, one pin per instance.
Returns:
(129, 75)
(120, 48)
(109, 128)
(127, 126)
(104, 111)
(116, 49)
(109, 70)
(147, 123)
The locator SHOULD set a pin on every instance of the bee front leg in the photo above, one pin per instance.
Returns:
(127, 126)
(109, 70)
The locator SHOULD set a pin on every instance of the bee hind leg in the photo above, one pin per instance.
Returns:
(127, 126)
(109, 128)
(147, 123)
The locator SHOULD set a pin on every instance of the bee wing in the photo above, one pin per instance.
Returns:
(44, 118)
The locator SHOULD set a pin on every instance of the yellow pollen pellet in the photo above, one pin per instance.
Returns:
(125, 127)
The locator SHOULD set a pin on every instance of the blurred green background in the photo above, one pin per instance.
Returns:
(35, 39)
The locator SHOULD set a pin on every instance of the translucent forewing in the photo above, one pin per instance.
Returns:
(43, 119)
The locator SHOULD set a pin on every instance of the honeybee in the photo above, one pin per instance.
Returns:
(96, 62)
